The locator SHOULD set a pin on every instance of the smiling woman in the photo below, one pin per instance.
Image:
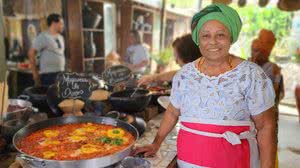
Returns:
(220, 101)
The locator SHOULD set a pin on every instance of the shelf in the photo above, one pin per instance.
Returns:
(141, 8)
(92, 30)
(146, 32)
(94, 59)
(101, 1)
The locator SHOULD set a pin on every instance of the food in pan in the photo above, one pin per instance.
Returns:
(76, 141)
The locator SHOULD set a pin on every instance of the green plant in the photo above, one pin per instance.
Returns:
(163, 57)
(255, 18)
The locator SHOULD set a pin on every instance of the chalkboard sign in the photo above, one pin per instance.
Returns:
(75, 85)
(116, 74)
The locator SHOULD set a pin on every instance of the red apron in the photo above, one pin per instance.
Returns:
(217, 144)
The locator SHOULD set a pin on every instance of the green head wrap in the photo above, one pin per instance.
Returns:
(222, 13)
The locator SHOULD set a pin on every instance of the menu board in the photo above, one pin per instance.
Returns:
(75, 85)
(116, 74)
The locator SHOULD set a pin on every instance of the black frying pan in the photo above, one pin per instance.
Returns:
(121, 101)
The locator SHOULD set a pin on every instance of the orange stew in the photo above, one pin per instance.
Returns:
(76, 141)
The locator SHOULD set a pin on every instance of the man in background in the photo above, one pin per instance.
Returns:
(50, 46)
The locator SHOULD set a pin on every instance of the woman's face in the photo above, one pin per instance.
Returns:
(177, 58)
(214, 40)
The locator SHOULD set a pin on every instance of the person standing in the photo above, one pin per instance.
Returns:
(137, 54)
(260, 54)
(224, 104)
(50, 46)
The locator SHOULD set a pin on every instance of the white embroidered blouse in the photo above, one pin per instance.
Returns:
(235, 95)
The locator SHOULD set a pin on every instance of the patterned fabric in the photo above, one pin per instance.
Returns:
(234, 95)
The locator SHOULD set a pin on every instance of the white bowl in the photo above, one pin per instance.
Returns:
(164, 101)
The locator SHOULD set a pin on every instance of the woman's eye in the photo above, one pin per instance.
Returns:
(221, 35)
(205, 35)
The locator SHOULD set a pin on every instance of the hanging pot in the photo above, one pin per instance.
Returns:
(242, 3)
(89, 45)
(222, 1)
(263, 3)
(90, 18)
(289, 5)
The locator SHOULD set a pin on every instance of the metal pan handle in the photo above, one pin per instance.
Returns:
(24, 97)
(34, 109)
(31, 161)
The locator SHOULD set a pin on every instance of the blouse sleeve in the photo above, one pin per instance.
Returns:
(260, 95)
(176, 93)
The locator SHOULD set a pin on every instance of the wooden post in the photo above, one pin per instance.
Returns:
(162, 25)
(3, 81)
(72, 15)
(124, 25)
(2, 47)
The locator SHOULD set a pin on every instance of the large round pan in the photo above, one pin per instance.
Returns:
(105, 161)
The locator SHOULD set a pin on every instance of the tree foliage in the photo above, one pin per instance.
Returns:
(255, 18)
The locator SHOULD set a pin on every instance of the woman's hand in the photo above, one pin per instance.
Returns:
(166, 125)
(147, 150)
(146, 79)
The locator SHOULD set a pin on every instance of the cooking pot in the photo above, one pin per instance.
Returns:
(123, 101)
(37, 96)
(105, 161)
(22, 110)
